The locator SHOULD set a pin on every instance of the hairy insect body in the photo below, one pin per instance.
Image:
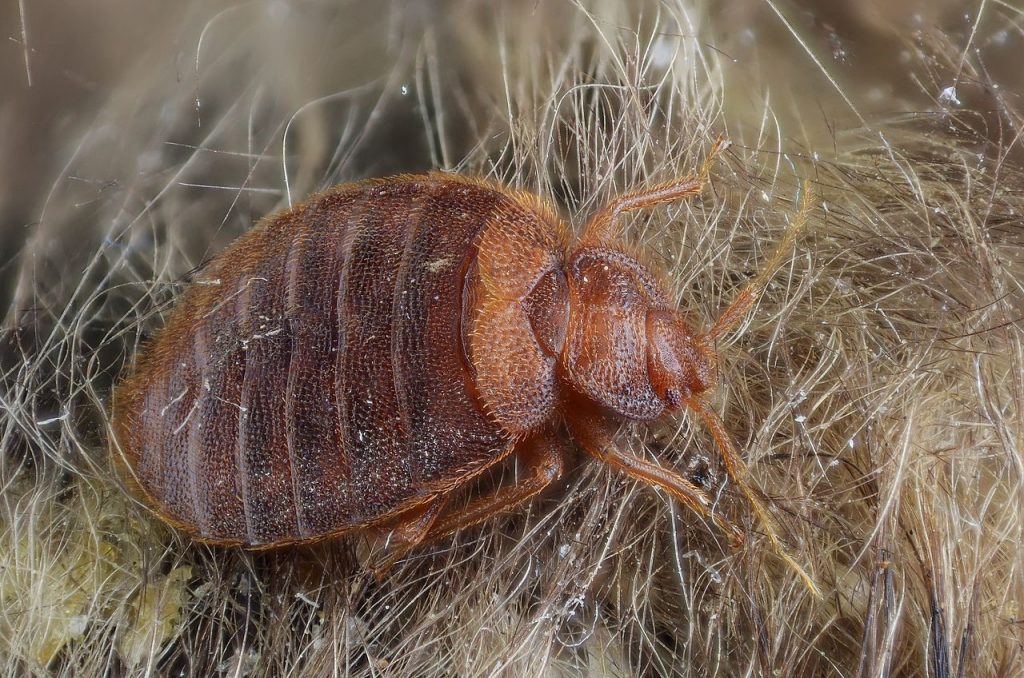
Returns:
(365, 355)
(346, 363)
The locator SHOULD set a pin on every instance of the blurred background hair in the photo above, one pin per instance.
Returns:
(875, 389)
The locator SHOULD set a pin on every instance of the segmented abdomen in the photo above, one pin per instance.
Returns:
(313, 378)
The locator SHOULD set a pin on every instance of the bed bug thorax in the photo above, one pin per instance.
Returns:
(368, 353)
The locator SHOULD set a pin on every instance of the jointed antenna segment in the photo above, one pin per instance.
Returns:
(737, 471)
(738, 308)
(602, 227)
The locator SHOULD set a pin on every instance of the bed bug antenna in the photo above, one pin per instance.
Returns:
(737, 472)
(732, 315)
(729, 318)
(602, 227)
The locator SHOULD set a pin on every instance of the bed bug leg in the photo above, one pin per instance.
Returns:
(595, 434)
(543, 456)
(737, 472)
(601, 228)
(409, 531)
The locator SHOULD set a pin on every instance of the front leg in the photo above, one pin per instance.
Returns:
(595, 433)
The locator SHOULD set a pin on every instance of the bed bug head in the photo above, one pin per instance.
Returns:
(625, 348)
(630, 353)
(681, 364)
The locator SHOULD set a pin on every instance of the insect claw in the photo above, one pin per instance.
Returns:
(380, 566)
(737, 536)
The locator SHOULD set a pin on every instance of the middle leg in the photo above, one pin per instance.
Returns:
(407, 532)
(544, 455)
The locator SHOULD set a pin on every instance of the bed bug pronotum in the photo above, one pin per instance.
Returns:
(353, 361)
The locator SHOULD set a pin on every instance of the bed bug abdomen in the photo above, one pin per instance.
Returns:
(315, 378)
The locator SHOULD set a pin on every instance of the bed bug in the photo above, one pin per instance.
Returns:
(355, 360)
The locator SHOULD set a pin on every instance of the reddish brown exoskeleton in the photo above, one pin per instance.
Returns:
(353, 361)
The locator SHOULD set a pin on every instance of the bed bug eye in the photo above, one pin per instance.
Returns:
(674, 398)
